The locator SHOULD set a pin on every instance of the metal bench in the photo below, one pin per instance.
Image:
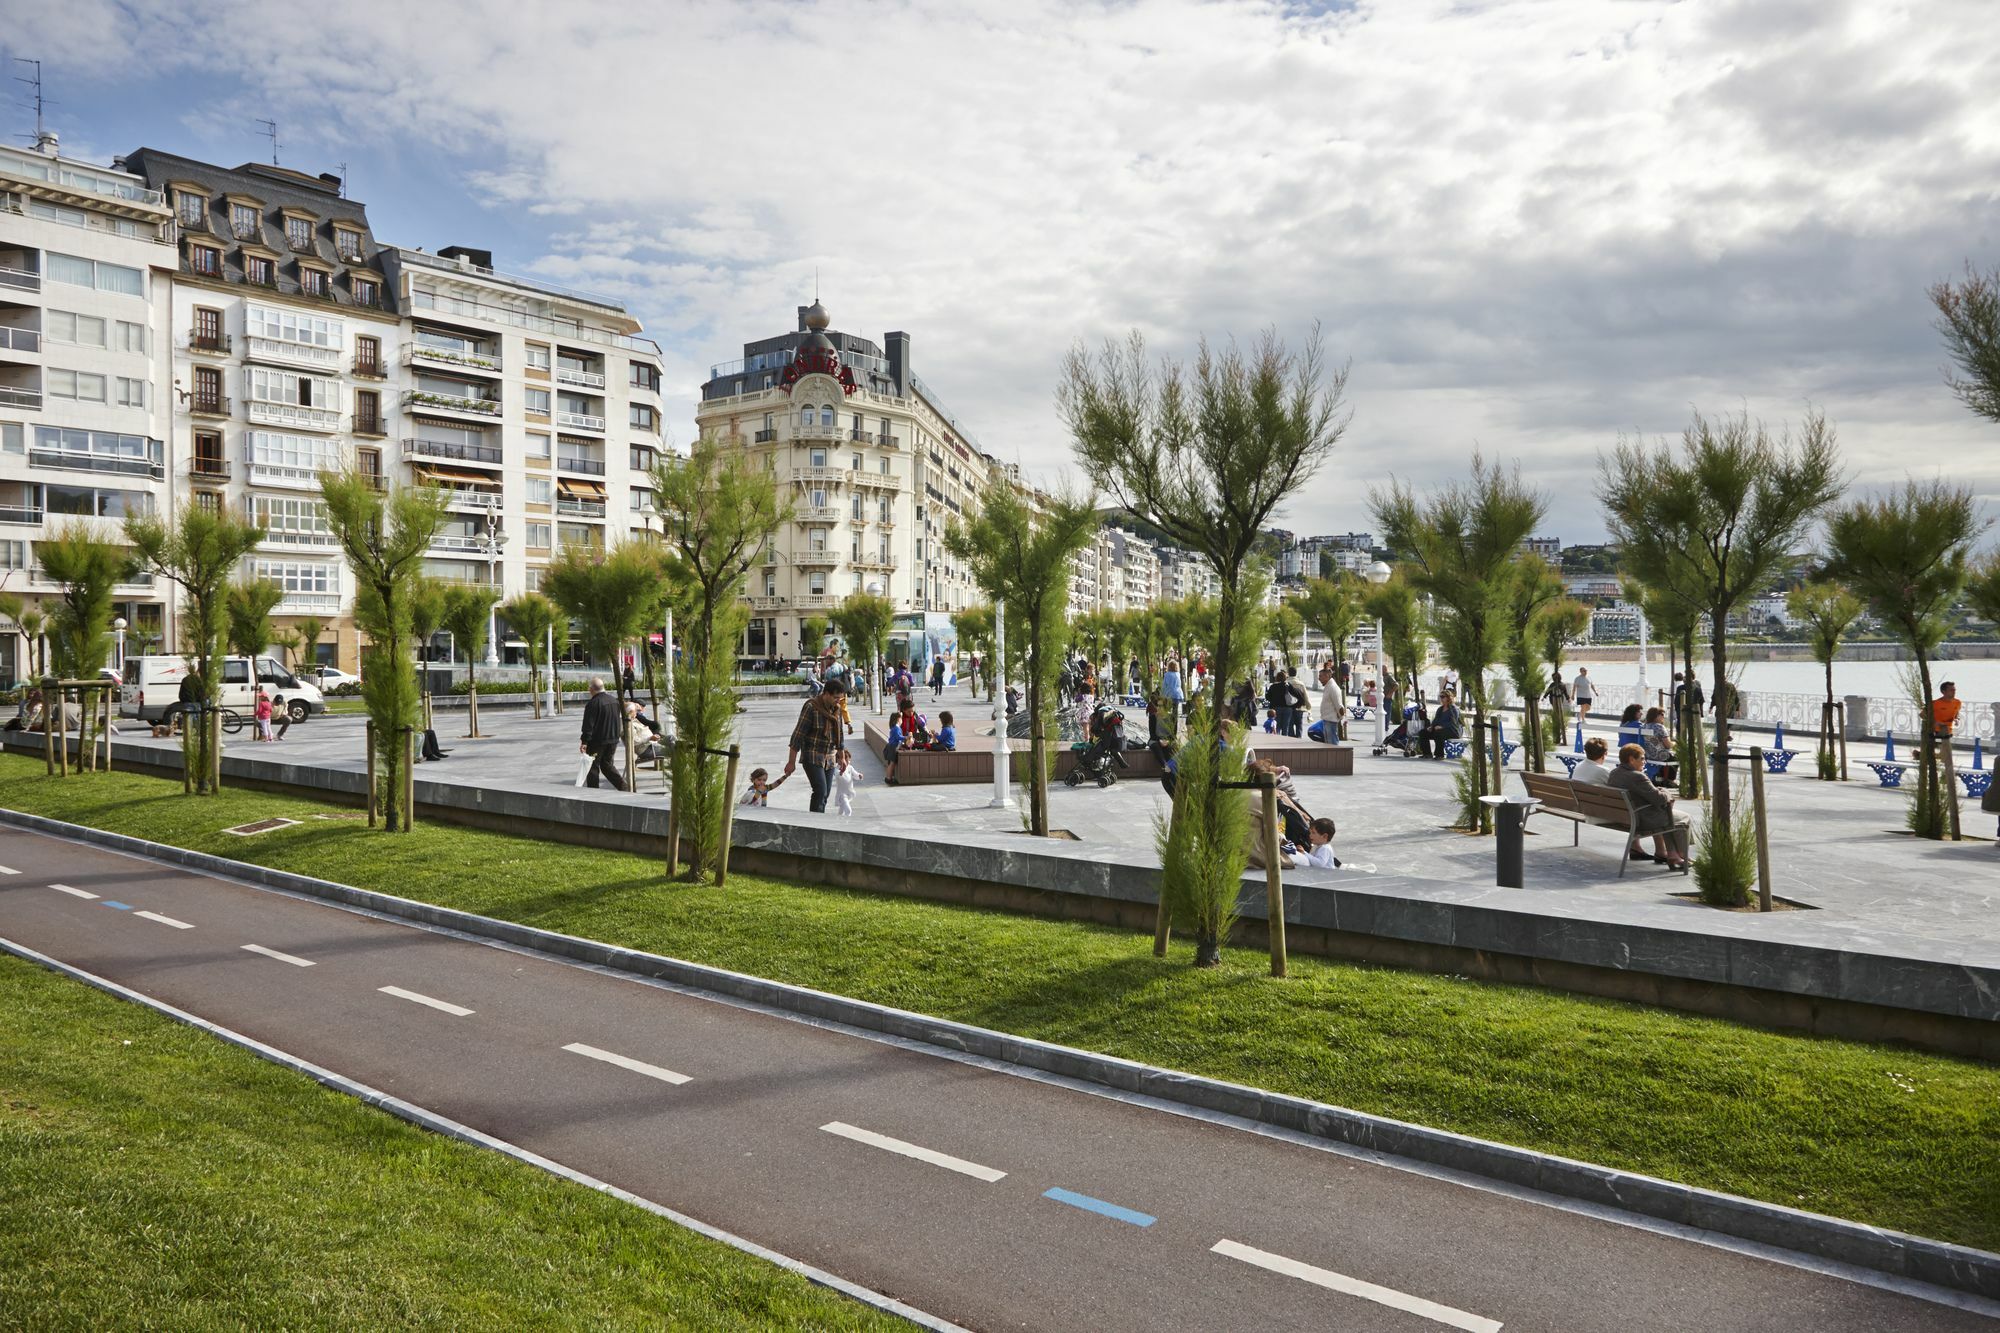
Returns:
(1594, 804)
(1570, 761)
(1889, 772)
(1975, 782)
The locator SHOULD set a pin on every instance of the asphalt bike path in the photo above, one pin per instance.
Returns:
(984, 1198)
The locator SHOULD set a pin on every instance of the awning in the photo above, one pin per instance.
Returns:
(451, 476)
(581, 490)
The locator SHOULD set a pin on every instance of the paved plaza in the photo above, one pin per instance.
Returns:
(1836, 847)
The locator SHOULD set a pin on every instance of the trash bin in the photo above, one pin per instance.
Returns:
(1510, 819)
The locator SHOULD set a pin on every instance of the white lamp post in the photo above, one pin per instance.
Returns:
(118, 627)
(1378, 574)
(666, 719)
(496, 541)
(1003, 798)
(1641, 696)
(549, 680)
(874, 589)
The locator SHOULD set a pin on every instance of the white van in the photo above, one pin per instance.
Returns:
(152, 688)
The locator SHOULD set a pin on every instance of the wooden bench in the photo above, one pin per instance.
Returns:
(1590, 803)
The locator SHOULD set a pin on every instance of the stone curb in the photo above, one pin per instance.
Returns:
(1914, 1258)
(454, 1129)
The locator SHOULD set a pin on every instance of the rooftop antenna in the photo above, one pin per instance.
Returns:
(343, 180)
(270, 132)
(44, 139)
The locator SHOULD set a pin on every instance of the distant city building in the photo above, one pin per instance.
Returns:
(875, 465)
(1549, 548)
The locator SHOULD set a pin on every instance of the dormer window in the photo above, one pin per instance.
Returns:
(190, 209)
(258, 269)
(367, 293)
(243, 222)
(299, 233)
(347, 244)
(312, 281)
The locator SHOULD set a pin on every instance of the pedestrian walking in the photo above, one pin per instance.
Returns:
(1332, 706)
(1584, 691)
(600, 736)
(937, 678)
(817, 742)
(1296, 701)
(846, 777)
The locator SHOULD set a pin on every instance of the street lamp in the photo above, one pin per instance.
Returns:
(118, 627)
(1003, 798)
(1378, 574)
(874, 589)
(496, 541)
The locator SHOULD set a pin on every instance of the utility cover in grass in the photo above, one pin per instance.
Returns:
(259, 826)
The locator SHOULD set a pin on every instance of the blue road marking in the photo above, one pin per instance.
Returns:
(123, 907)
(1090, 1205)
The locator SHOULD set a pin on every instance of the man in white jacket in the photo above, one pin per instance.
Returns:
(1332, 706)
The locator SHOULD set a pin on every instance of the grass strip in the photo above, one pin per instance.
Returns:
(1879, 1134)
(154, 1177)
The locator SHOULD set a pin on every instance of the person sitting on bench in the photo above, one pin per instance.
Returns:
(1444, 726)
(1591, 767)
(1653, 809)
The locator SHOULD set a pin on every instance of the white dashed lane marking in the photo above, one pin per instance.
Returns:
(166, 920)
(911, 1150)
(627, 1062)
(457, 1011)
(281, 957)
(74, 893)
(1354, 1286)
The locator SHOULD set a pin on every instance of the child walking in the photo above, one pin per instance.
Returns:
(761, 787)
(263, 715)
(846, 777)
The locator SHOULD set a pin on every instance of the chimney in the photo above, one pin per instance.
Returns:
(46, 143)
(331, 179)
(802, 319)
(897, 345)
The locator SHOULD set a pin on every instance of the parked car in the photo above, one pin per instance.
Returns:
(330, 676)
(152, 687)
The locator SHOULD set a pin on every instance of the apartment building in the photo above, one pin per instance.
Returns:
(86, 276)
(536, 407)
(281, 331)
(873, 463)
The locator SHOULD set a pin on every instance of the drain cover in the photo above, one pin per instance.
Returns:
(260, 826)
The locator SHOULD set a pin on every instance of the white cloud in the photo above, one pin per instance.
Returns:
(1530, 224)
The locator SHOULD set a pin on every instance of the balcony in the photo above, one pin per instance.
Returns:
(881, 481)
(864, 436)
(266, 413)
(823, 476)
(418, 354)
(370, 368)
(824, 514)
(79, 460)
(579, 508)
(486, 454)
(481, 581)
(142, 579)
(880, 562)
(579, 421)
(20, 515)
(293, 538)
(20, 340)
(308, 604)
(456, 497)
(589, 379)
(20, 279)
(593, 467)
(823, 558)
(888, 441)
(769, 603)
(422, 400)
(817, 431)
(208, 405)
(208, 469)
(28, 398)
(292, 354)
(458, 541)
(209, 344)
(372, 427)
(765, 436)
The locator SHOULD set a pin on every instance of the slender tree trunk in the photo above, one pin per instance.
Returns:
(1691, 772)
(1038, 793)
(1826, 718)
(1533, 740)
(1719, 789)
(1479, 774)
(1927, 763)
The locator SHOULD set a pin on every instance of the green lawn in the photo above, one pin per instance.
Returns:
(153, 1177)
(1881, 1134)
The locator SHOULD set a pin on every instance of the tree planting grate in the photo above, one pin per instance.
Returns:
(259, 826)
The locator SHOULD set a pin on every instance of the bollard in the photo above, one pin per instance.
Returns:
(1274, 878)
(1778, 741)
(1763, 829)
(1579, 733)
(374, 796)
(1889, 749)
(1978, 754)
(1509, 837)
(728, 813)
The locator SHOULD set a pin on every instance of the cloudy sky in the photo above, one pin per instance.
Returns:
(1529, 225)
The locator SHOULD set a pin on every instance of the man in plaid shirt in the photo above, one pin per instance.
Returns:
(817, 739)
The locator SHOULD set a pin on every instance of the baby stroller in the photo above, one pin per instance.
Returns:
(1403, 740)
(1096, 757)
